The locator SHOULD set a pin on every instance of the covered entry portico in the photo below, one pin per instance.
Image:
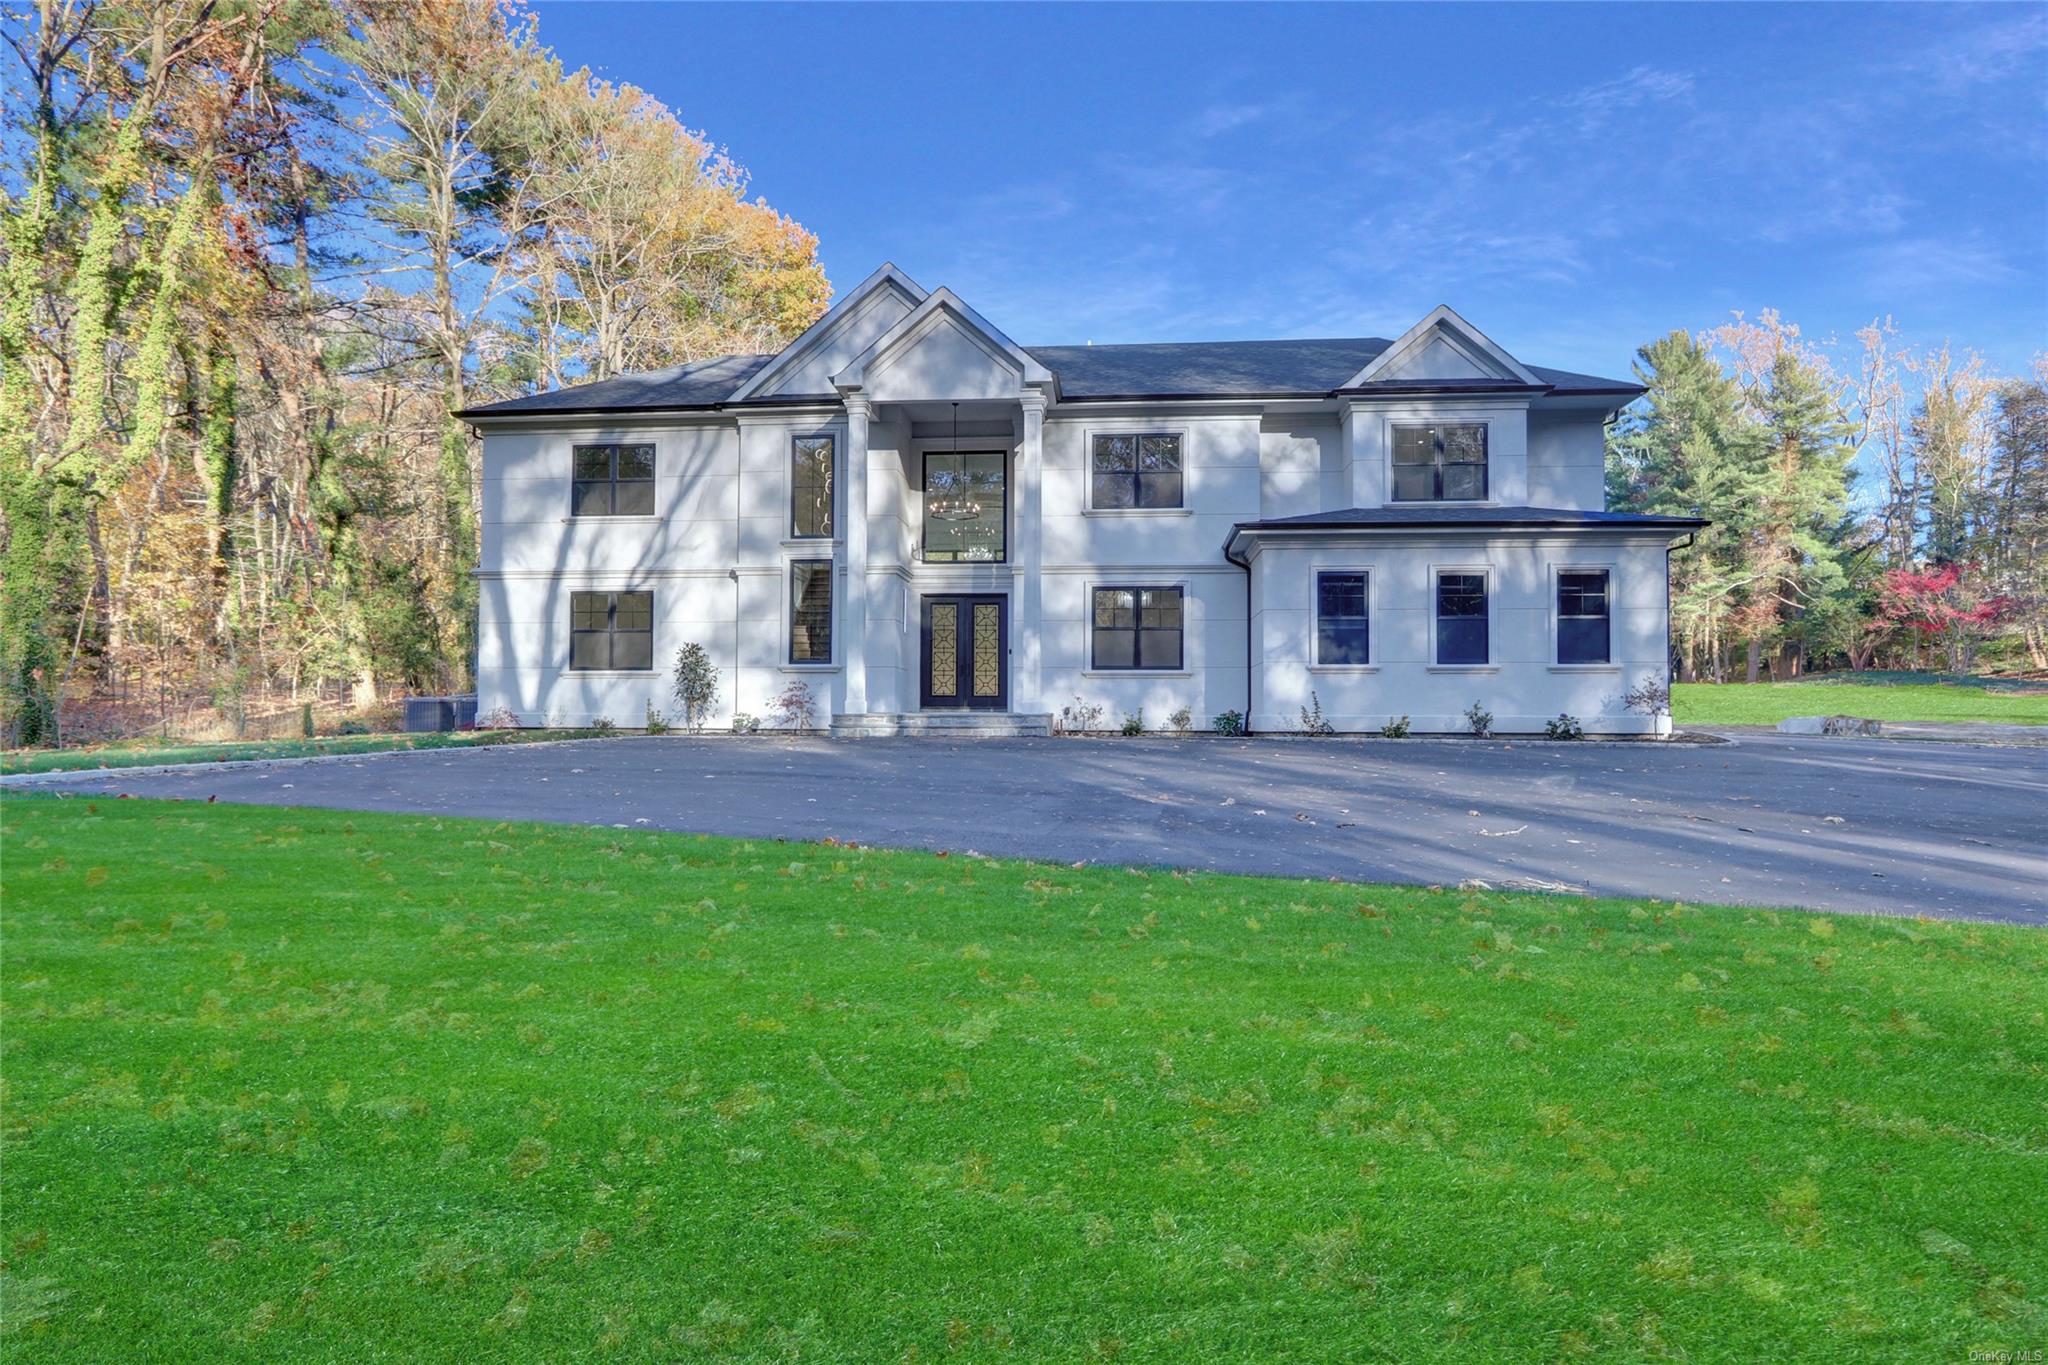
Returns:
(942, 576)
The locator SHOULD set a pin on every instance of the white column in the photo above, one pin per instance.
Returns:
(853, 612)
(1029, 609)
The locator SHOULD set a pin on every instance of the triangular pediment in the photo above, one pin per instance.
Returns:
(868, 312)
(942, 350)
(1443, 348)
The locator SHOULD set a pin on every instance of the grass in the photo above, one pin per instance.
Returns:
(143, 753)
(1890, 696)
(292, 1084)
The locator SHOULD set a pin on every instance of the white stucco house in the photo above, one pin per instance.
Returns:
(934, 526)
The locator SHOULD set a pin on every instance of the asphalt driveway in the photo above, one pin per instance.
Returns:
(1855, 825)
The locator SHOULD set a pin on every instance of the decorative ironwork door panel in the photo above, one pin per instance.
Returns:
(966, 653)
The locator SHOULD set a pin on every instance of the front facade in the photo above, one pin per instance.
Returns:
(920, 519)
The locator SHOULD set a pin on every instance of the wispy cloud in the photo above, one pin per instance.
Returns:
(1218, 119)
(1986, 53)
(1595, 104)
(1930, 265)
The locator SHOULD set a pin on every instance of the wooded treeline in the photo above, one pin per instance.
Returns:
(256, 252)
(1930, 551)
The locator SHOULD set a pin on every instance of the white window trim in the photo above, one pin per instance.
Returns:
(1315, 617)
(837, 574)
(1436, 573)
(1132, 427)
(1613, 572)
(1187, 627)
(1445, 419)
(838, 476)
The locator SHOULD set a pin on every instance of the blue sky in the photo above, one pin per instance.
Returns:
(1573, 179)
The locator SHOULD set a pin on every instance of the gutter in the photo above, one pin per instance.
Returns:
(1229, 546)
(1062, 399)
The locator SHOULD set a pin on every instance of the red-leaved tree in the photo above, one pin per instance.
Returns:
(1947, 604)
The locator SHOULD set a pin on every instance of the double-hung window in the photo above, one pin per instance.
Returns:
(611, 631)
(1135, 470)
(1440, 462)
(1343, 619)
(1461, 618)
(810, 611)
(1582, 616)
(612, 481)
(810, 488)
(1136, 628)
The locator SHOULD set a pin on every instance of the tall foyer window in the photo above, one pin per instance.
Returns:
(810, 488)
(964, 507)
(1461, 618)
(1440, 463)
(810, 611)
(1582, 616)
(612, 481)
(1136, 628)
(1343, 623)
(1135, 471)
(611, 631)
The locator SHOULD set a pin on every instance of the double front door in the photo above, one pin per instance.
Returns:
(965, 644)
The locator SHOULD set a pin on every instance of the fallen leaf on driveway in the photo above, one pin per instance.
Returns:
(1498, 833)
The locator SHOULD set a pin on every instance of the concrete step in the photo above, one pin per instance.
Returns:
(943, 725)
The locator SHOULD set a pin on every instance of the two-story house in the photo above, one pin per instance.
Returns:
(929, 523)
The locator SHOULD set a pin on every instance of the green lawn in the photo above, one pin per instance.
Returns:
(1878, 698)
(293, 1084)
(143, 753)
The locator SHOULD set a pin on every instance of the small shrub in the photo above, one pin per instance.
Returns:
(744, 724)
(1312, 721)
(796, 708)
(1080, 717)
(499, 717)
(657, 723)
(1395, 729)
(1566, 726)
(1650, 695)
(1182, 721)
(1134, 722)
(1479, 720)
(603, 725)
(1228, 724)
(696, 685)
(306, 720)
(352, 727)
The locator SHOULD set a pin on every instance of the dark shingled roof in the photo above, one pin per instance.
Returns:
(701, 384)
(1195, 369)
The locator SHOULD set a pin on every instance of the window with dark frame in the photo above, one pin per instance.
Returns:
(1139, 470)
(611, 631)
(1583, 636)
(810, 611)
(1461, 618)
(1137, 628)
(612, 481)
(966, 507)
(1343, 619)
(810, 488)
(1440, 463)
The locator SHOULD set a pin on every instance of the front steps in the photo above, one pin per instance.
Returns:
(943, 725)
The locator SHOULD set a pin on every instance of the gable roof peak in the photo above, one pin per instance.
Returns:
(942, 299)
(885, 276)
(1443, 321)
